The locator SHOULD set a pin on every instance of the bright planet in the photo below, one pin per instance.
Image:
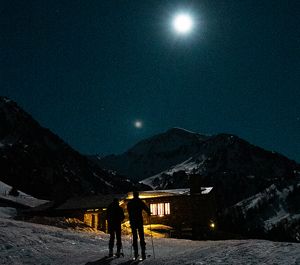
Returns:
(138, 124)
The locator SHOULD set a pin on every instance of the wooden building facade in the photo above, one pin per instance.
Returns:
(186, 213)
(89, 209)
(189, 214)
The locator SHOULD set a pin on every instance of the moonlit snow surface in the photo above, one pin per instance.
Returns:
(27, 243)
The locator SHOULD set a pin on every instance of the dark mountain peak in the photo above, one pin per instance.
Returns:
(155, 154)
(14, 115)
(226, 138)
(171, 140)
(179, 149)
(10, 107)
(19, 127)
(179, 131)
(38, 162)
(240, 148)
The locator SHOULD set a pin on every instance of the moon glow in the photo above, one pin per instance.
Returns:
(183, 23)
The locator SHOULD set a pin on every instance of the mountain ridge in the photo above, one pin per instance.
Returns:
(144, 159)
(240, 173)
(174, 140)
(37, 161)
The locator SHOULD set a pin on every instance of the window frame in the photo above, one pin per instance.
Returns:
(160, 209)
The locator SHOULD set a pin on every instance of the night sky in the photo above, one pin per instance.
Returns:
(88, 70)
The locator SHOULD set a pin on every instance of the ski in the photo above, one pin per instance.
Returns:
(136, 261)
(139, 260)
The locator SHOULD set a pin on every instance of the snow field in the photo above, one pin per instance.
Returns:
(27, 243)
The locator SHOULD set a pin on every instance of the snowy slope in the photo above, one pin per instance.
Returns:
(23, 198)
(228, 155)
(7, 212)
(33, 244)
(165, 179)
(274, 212)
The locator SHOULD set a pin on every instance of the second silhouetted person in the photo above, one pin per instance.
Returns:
(135, 209)
(115, 216)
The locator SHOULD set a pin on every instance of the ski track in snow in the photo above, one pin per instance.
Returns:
(27, 243)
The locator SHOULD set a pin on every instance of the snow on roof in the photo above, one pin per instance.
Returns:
(22, 198)
(167, 193)
(89, 202)
(103, 200)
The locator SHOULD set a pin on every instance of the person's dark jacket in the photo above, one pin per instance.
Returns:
(115, 215)
(135, 209)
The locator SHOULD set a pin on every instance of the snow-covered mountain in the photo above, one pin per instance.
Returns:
(273, 213)
(230, 164)
(156, 154)
(38, 162)
(242, 176)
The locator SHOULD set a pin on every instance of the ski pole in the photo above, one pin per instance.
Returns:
(131, 246)
(122, 250)
(151, 237)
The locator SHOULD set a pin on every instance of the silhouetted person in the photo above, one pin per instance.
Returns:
(135, 209)
(115, 216)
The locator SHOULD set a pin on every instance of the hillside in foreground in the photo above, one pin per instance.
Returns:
(31, 244)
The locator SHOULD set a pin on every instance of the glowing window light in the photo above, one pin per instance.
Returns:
(167, 208)
(153, 209)
(160, 209)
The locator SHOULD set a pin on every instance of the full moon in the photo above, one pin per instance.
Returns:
(138, 124)
(183, 23)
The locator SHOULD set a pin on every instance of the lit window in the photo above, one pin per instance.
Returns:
(153, 209)
(167, 208)
(160, 209)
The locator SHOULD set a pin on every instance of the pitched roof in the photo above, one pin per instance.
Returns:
(103, 200)
(168, 193)
(89, 202)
